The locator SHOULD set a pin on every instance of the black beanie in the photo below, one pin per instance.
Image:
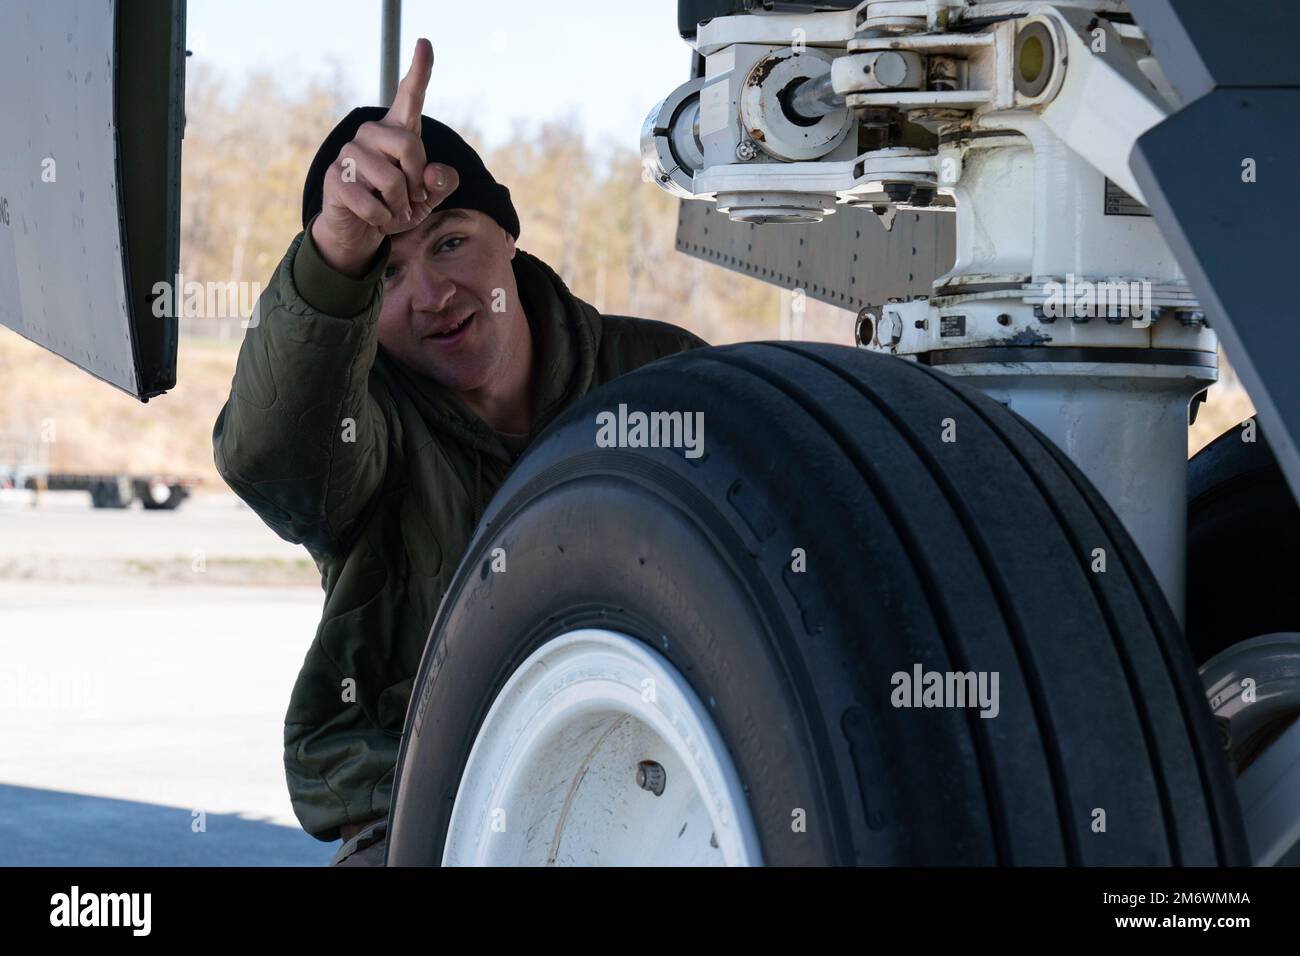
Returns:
(442, 144)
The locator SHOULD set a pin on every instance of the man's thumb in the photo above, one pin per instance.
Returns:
(441, 181)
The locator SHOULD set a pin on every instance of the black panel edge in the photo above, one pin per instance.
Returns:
(1068, 353)
(149, 105)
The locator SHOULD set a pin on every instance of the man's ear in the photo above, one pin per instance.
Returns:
(510, 243)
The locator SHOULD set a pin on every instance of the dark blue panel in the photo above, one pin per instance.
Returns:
(1238, 241)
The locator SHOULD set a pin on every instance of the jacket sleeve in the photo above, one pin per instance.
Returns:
(300, 438)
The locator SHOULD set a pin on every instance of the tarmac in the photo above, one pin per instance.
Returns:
(142, 697)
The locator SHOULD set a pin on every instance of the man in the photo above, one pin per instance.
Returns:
(404, 355)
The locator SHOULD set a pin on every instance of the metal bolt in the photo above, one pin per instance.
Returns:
(893, 69)
(746, 150)
(651, 776)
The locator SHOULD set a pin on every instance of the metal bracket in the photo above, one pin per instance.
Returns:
(848, 260)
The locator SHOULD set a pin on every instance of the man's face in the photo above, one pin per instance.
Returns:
(440, 286)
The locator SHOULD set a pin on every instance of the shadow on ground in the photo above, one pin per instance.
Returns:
(54, 828)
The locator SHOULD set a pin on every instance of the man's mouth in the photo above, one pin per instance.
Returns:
(454, 331)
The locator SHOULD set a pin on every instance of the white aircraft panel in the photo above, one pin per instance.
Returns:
(62, 276)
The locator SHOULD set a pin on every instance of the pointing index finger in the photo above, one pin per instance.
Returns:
(408, 103)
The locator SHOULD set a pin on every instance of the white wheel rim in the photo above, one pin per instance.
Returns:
(1269, 788)
(552, 778)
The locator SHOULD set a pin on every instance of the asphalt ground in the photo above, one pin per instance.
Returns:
(146, 660)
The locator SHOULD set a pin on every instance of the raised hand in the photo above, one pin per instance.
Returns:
(380, 183)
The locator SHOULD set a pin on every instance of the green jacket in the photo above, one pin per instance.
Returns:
(382, 476)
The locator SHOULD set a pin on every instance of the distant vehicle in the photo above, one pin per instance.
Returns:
(156, 492)
(24, 463)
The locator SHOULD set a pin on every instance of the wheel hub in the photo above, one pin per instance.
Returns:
(597, 752)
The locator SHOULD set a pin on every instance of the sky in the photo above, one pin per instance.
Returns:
(496, 62)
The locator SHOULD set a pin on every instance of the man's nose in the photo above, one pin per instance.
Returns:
(433, 290)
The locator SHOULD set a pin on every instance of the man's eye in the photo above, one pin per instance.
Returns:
(389, 272)
(450, 244)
